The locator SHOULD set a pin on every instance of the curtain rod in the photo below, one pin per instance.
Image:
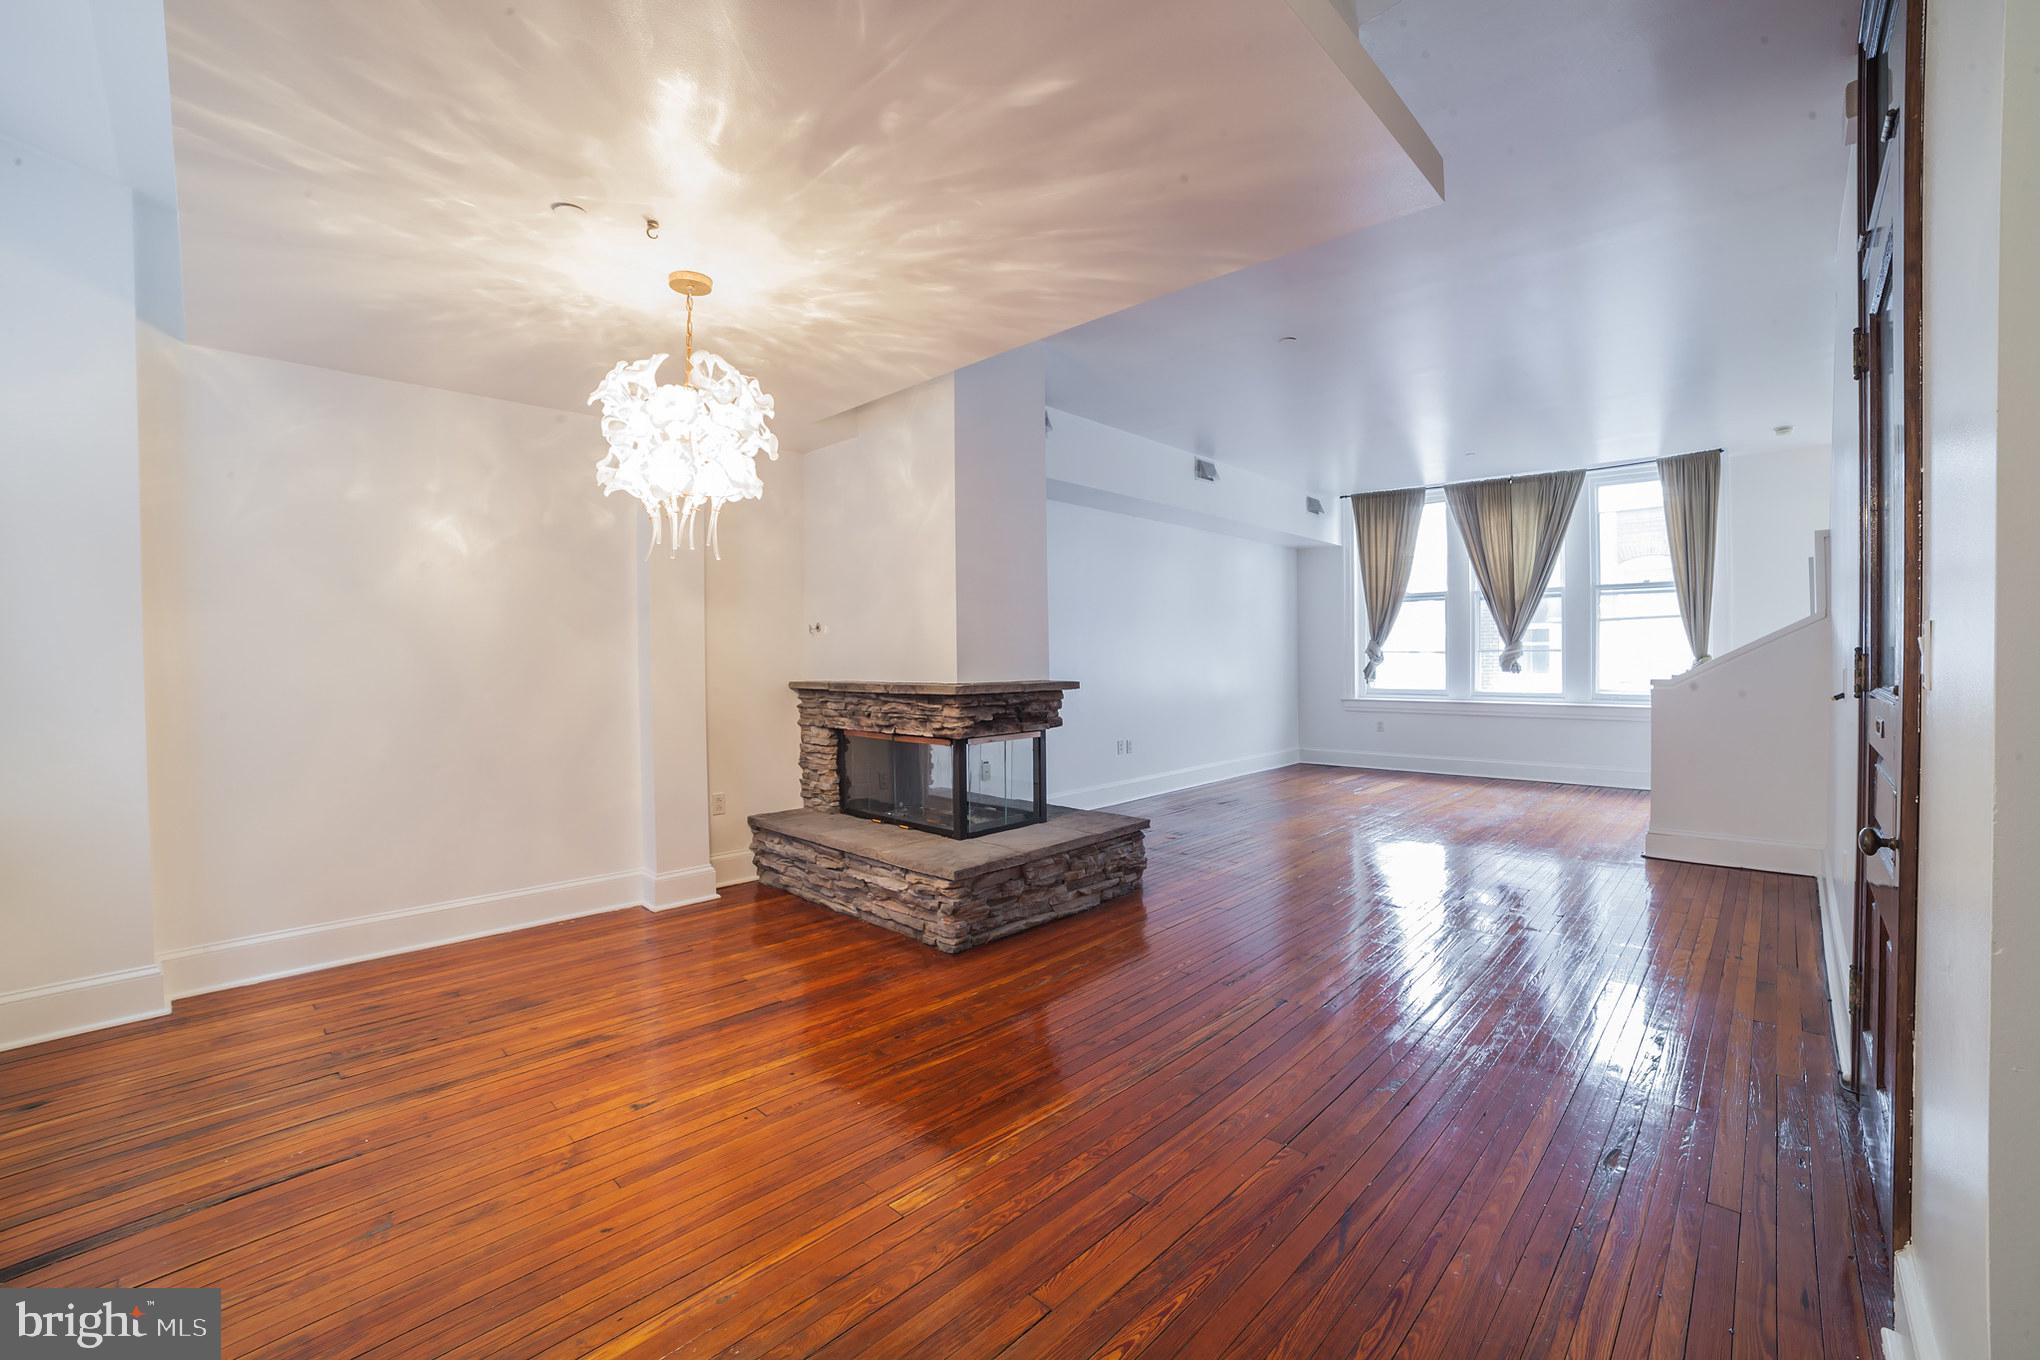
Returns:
(1597, 467)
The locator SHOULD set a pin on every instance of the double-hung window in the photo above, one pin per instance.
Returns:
(1607, 626)
(1638, 636)
(1543, 665)
(1414, 660)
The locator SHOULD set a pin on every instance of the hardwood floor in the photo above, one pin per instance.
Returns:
(1377, 1065)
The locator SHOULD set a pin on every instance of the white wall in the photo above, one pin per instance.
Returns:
(757, 643)
(389, 642)
(2015, 927)
(925, 538)
(1763, 708)
(74, 835)
(1002, 605)
(1106, 468)
(1953, 1222)
(1183, 641)
(1773, 502)
(1845, 557)
(881, 531)
(672, 695)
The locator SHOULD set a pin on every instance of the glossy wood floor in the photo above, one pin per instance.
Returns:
(1377, 1065)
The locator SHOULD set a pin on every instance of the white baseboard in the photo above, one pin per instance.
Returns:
(733, 867)
(33, 1014)
(1170, 781)
(1542, 772)
(1912, 1314)
(1836, 935)
(303, 949)
(1734, 852)
(683, 887)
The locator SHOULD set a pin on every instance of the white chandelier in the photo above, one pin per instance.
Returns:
(678, 448)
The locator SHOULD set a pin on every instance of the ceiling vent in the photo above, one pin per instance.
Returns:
(1314, 505)
(1207, 471)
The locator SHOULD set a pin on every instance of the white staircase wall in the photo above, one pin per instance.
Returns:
(1739, 754)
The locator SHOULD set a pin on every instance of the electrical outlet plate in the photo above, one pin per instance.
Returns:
(718, 804)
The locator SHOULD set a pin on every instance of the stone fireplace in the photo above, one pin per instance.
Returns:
(924, 811)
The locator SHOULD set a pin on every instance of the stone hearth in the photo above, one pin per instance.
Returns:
(952, 894)
(946, 892)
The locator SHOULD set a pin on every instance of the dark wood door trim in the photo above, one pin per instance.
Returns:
(1885, 949)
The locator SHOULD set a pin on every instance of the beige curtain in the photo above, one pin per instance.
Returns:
(1514, 529)
(1385, 533)
(1692, 485)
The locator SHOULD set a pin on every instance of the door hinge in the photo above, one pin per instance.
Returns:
(1862, 672)
(1859, 351)
(1856, 991)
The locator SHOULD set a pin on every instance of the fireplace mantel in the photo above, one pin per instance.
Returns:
(937, 687)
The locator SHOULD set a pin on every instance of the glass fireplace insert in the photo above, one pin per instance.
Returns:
(914, 781)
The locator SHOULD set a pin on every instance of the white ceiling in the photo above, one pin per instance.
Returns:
(86, 80)
(1636, 255)
(884, 190)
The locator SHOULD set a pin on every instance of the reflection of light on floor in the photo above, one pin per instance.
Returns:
(1411, 878)
(1619, 1025)
(1412, 872)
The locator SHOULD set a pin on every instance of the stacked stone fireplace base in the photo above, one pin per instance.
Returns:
(948, 893)
(942, 891)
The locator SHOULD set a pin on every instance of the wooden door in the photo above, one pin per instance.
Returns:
(1888, 656)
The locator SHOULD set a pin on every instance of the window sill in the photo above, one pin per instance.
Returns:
(1604, 710)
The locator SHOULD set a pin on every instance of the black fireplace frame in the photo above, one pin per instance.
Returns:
(959, 748)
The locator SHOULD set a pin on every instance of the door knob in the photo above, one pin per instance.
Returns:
(1869, 842)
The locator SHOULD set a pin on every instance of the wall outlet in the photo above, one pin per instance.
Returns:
(1129, 746)
(1380, 726)
(718, 804)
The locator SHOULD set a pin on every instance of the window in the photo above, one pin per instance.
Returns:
(1608, 624)
(1413, 662)
(1638, 636)
(1543, 666)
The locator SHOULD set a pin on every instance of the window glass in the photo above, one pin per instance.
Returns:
(1414, 658)
(1427, 572)
(1639, 639)
(1543, 653)
(1637, 633)
(1630, 538)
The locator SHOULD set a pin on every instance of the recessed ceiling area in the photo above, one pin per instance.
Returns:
(1636, 256)
(884, 191)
